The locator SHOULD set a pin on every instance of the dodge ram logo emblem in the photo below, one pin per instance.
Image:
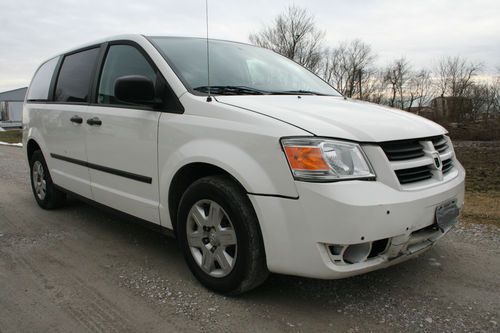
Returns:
(438, 165)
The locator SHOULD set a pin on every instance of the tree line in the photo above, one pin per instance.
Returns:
(453, 84)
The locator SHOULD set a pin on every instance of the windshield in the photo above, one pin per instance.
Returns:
(237, 69)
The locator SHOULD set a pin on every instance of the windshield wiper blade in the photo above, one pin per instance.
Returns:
(299, 92)
(231, 90)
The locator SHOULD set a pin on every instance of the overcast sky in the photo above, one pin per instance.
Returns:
(421, 30)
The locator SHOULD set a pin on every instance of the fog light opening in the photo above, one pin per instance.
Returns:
(336, 250)
(378, 247)
(356, 253)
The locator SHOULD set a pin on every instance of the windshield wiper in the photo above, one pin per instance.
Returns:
(232, 90)
(299, 92)
(244, 90)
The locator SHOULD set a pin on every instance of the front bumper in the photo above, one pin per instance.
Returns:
(298, 234)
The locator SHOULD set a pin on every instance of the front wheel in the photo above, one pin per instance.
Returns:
(220, 236)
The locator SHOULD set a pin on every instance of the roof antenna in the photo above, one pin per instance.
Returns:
(209, 98)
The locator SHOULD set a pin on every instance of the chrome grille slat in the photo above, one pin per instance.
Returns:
(402, 150)
(440, 144)
(447, 165)
(411, 175)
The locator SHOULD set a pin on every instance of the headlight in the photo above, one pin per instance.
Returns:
(314, 159)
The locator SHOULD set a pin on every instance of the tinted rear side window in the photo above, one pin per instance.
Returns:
(73, 83)
(39, 87)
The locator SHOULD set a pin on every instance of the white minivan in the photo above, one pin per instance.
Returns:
(258, 167)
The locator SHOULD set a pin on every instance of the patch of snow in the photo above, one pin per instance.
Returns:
(11, 144)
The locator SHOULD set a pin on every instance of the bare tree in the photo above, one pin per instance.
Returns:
(373, 86)
(294, 35)
(479, 94)
(485, 100)
(349, 67)
(396, 77)
(455, 75)
(419, 89)
(496, 98)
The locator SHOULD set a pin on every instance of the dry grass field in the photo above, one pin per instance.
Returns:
(481, 160)
(11, 136)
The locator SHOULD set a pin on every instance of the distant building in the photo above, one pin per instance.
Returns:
(452, 109)
(11, 107)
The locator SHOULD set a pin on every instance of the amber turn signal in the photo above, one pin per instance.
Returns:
(306, 158)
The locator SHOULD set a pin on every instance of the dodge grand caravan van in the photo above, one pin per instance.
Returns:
(263, 168)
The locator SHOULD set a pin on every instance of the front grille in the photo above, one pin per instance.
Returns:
(402, 150)
(412, 175)
(447, 165)
(440, 144)
(413, 159)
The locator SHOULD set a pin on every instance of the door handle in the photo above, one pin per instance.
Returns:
(76, 119)
(94, 121)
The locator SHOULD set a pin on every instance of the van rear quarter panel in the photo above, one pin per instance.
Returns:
(50, 126)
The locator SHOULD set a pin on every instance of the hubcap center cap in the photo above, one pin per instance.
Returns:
(212, 237)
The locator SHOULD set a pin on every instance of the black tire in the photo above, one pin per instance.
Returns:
(53, 197)
(250, 269)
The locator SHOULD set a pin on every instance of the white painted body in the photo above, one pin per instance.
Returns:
(241, 135)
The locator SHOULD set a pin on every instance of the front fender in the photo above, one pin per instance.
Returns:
(243, 143)
(263, 172)
(271, 178)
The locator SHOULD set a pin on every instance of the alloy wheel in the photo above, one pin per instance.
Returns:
(211, 238)
(39, 182)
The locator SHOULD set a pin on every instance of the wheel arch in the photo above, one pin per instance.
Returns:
(31, 147)
(186, 176)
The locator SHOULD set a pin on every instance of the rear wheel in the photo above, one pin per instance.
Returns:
(46, 195)
(220, 236)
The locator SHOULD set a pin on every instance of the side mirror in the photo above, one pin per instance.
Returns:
(136, 89)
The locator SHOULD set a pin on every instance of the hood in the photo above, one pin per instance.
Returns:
(337, 117)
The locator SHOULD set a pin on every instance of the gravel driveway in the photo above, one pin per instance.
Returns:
(82, 269)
